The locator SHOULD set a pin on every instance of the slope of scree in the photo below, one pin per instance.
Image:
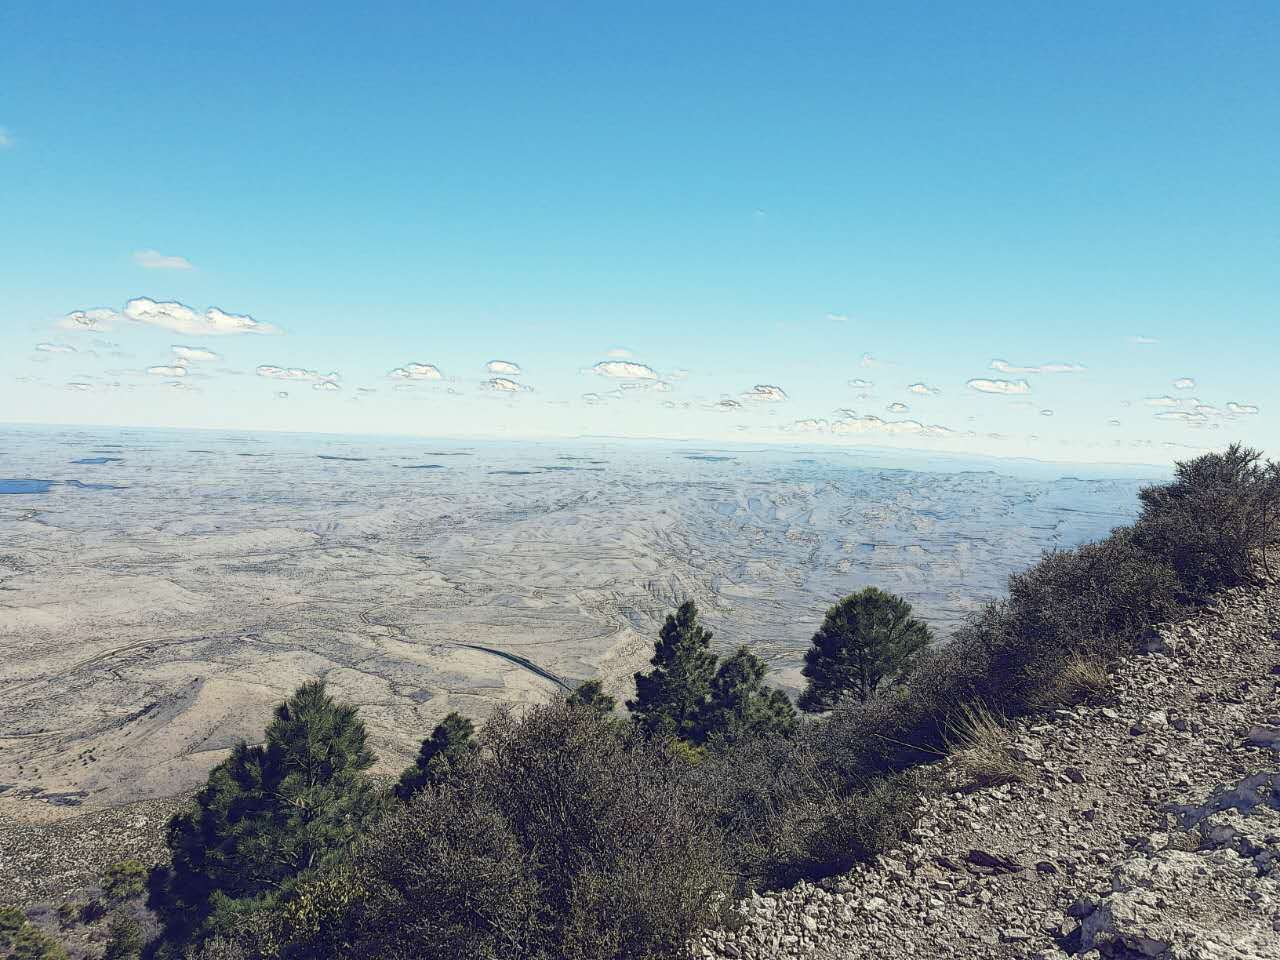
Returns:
(1146, 826)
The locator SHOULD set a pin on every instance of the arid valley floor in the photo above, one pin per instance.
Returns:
(161, 591)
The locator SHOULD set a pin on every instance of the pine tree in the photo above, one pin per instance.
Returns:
(270, 813)
(740, 705)
(865, 639)
(590, 693)
(448, 747)
(670, 697)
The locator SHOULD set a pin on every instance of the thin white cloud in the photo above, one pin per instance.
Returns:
(1004, 366)
(625, 370)
(868, 361)
(79, 386)
(194, 353)
(765, 393)
(1046, 413)
(811, 425)
(282, 394)
(1114, 422)
(678, 374)
(504, 385)
(89, 320)
(838, 317)
(180, 318)
(155, 260)
(922, 389)
(6, 139)
(416, 371)
(1242, 409)
(1183, 416)
(319, 381)
(1000, 386)
(727, 405)
(503, 366)
(176, 370)
(54, 348)
(870, 424)
(1140, 341)
(592, 399)
(859, 384)
(1164, 401)
(618, 353)
(1184, 383)
(898, 407)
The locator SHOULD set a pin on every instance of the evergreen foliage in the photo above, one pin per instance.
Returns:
(450, 745)
(865, 639)
(670, 698)
(741, 706)
(125, 939)
(272, 812)
(590, 694)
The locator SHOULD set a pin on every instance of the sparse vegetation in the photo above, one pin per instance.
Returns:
(125, 939)
(1214, 521)
(124, 879)
(571, 833)
(21, 939)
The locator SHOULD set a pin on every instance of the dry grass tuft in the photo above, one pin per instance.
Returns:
(1082, 679)
(979, 746)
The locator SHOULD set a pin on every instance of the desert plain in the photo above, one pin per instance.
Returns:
(161, 591)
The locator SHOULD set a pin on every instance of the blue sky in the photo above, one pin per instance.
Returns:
(681, 220)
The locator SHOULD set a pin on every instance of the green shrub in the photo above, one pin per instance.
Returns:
(25, 940)
(11, 921)
(1212, 522)
(570, 837)
(860, 825)
(125, 938)
(124, 879)
(768, 795)
(590, 694)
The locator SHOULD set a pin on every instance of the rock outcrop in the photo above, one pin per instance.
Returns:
(1148, 827)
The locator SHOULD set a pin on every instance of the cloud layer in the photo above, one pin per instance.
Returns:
(168, 315)
(155, 260)
(417, 371)
(1004, 366)
(1000, 386)
(625, 370)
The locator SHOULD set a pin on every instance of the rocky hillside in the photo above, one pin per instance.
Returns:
(1145, 826)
